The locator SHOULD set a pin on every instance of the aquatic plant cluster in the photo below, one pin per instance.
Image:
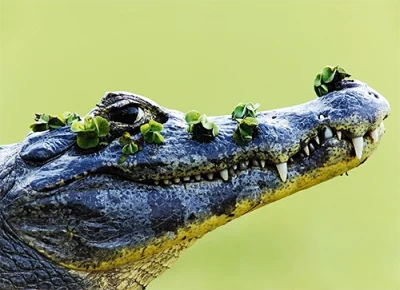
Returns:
(90, 130)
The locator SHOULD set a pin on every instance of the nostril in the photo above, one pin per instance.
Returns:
(375, 95)
(385, 117)
(273, 117)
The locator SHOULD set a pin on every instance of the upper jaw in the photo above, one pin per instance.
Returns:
(282, 134)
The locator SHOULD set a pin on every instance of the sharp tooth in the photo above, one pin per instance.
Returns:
(328, 133)
(197, 177)
(156, 182)
(358, 143)
(262, 163)
(282, 170)
(312, 148)
(316, 138)
(247, 162)
(177, 180)
(291, 159)
(224, 174)
(255, 163)
(210, 176)
(166, 181)
(339, 135)
(234, 167)
(306, 150)
(242, 166)
(186, 178)
(374, 135)
(321, 117)
(232, 172)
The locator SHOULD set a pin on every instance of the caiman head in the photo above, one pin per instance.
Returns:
(119, 225)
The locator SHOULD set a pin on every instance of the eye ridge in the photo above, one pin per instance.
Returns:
(127, 115)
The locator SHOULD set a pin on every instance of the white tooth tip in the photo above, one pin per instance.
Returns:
(339, 135)
(306, 150)
(282, 170)
(166, 181)
(358, 143)
(247, 162)
(328, 133)
(374, 135)
(210, 176)
(234, 167)
(177, 180)
(197, 177)
(186, 178)
(255, 163)
(224, 174)
(262, 162)
(316, 138)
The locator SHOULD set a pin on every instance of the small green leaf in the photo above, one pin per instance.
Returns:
(207, 124)
(86, 140)
(56, 123)
(122, 159)
(102, 125)
(245, 130)
(318, 79)
(145, 128)
(158, 138)
(192, 116)
(130, 149)
(39, 127)
(251, 121)
(239, 111)
(215, 130)
(77, 126)
(326, 73)
(243, 110)
(342, 72)
(72, 117)
(150, 132)
(238, 138)
(155, 126)
(149, 137)
(324, 89)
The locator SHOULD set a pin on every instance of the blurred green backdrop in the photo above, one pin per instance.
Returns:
(343, 234)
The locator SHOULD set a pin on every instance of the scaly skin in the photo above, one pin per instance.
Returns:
(76, 219)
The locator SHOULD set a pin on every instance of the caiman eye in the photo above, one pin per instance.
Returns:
(127, 115)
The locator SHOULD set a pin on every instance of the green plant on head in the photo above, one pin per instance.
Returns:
(200, 126)
(151, 132)
(243, 110)
(245, 130)
(45, 122)
(90, 131)
(326, 81)
(129, 147)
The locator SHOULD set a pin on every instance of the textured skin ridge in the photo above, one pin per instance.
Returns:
(23, 268)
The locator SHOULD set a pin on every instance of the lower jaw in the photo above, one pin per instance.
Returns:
(335, 158)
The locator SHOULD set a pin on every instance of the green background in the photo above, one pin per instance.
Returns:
(343, 234)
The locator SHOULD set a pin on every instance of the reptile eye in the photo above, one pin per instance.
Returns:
(127, 115)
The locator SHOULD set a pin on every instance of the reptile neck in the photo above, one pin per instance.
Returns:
(21, 267)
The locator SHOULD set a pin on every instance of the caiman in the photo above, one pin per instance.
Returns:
(82, 219)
